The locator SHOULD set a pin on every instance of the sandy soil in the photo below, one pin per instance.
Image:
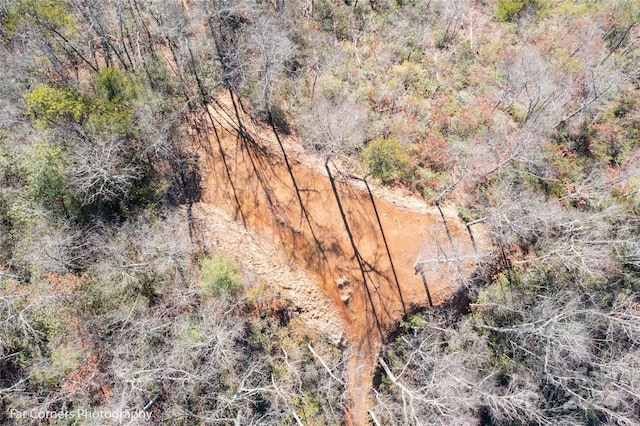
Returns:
(294, 210)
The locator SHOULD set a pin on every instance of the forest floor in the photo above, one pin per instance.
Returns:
(282, 218)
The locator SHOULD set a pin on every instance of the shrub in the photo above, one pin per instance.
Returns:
(425, 181)
(386, 159)
(45, 168)
(507, 9)
(49, 104)
(220, 276)
(115, 86)
(111, 110)
(333, 18)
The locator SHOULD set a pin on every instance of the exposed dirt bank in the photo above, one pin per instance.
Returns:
(370, 284)
(265, 261)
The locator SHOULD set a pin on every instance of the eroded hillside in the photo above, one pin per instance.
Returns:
(375, 260)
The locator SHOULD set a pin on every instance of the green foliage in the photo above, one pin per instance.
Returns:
(412, 77)
(568, 8)
(49, 104)
(552, 187)
(416, 321)
(334, 18)
(463, 213)
(623, 17)
(114, 86)
(386, 159)
(62, 360)
(42, 15)
(506, 10)
(158, 76)
(500, 290)
(516, 112)
(111, 109)
(424, 180)
(45, 169)
(110, 117)
(220, 276)
(111, 299)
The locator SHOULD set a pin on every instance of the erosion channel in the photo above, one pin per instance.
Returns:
(375, 259)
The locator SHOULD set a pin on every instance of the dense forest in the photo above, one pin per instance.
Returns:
(523, 115)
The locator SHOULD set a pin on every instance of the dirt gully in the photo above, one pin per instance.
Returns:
(375, 259)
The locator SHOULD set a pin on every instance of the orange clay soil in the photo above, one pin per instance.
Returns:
(254, 184)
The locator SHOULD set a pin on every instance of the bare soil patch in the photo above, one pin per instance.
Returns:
(370, 285)
(265, 261)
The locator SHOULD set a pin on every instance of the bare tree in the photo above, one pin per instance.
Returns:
(530, 92)
(272, 48)
(550, 365)
(333, 127)
(103, 170)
